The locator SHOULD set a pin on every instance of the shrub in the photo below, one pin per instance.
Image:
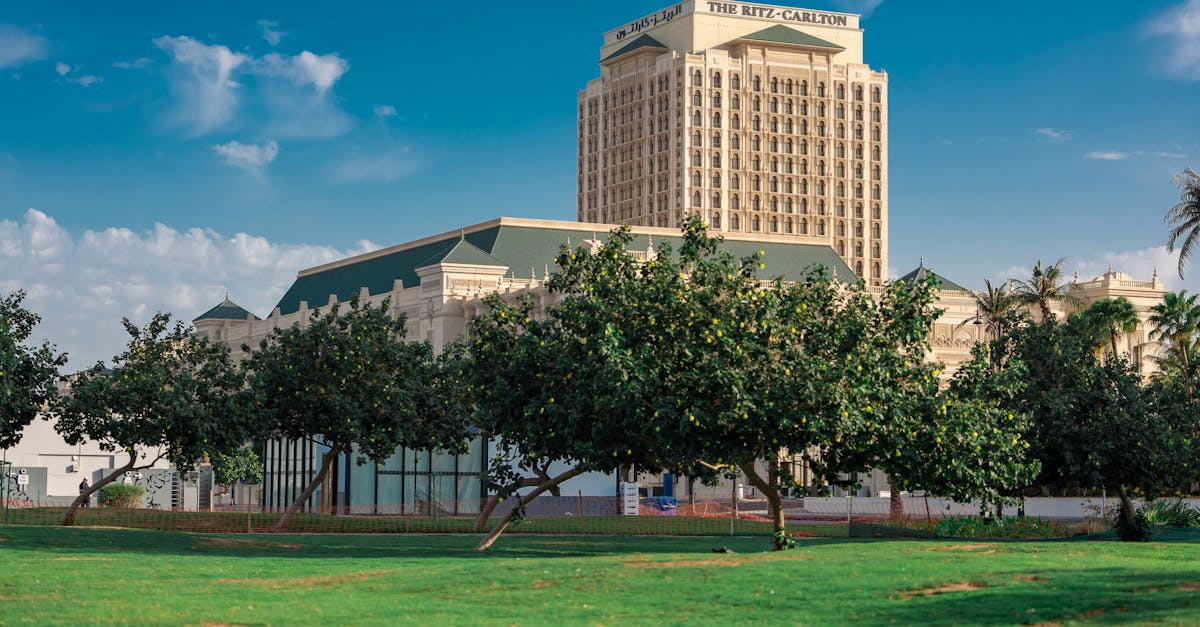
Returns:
(997, 528)
(1171, 513)
(121, 495)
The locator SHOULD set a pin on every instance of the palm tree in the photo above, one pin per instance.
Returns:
(1115, 316)
(1045, 286)
(1175, 319)
(1184, 218)
(994, 305)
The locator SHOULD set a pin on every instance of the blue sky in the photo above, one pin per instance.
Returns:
(153, 158)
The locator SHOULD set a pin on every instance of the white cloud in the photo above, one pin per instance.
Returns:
(385, 111)
(1116, 155)
(248, 157)
(83, 285)
(1106, 155)
(19, 46)
(1181, 28)
(1056, 135)
(62, 68)
(380, 168)
(1138, 264)
(204, 82)
(862, 7)
(87, 80)
(269, 32)
(136, 64)
(306, 68)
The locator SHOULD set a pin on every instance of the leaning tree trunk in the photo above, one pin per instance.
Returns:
(491, 538)
(326, 462)
(69, 517)
(895, 503)
(778, 524)
(1113, 336)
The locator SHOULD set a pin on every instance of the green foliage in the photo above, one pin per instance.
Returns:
(243, 464)
(1170, 513)
(993, 528)
(347, 376)
(27, 373)
(121, 495)
(169, 391)
(1133, 528)
(1184, 218)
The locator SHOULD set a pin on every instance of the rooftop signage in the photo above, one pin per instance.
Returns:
(765, 12)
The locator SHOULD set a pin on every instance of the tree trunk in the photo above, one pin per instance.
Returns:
(491, 538)
(1128, 514)
(1187, 372)
(895, 503)
(494, 501)
(69, 517)
(779, 526)
(326, 462)
(1113, 336)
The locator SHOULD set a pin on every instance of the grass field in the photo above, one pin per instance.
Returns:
(58, 576)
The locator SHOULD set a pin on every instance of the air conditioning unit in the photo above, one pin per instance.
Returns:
(73, 468)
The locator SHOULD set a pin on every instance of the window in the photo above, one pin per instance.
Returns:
(804, 146)
(858, 268)
(803, 226)
(734, 222)
(756, 143)
(697, 99)
(841, 169)
(858, 113)
(716, 159)
(696, 121)
(715, 222)
(804, 128)
(841, 209)
(789, 167)
(841, 189)
(787, 88)
(841, 111)
(858, 91)
(877, 193)
(841, 91)
(821, 207)
(787, 226)
(820, 227)
(716, 82)
(803, 107)
(696, 199)
(876, 212)
(756, 84)
(697, 78)
(736, 203)
(756, 104)
(735, 162)
(755, 224)
(757, 163)
(820, 168)
(775, 184)
(774, 144)
(804, 187)
(858, 230)
(841, 131)
(875, 271)
(756, 184)
(820, 109)
(840, 229)
(716, 120)
(787, 107)
(696, 139)
(774, 204)
(735, 182)
(716, 201)
(696, 162)
(774, 85)
(876, 134)
(716, 99)
(735, 142)
(735, 101)
(775, 125)
(875, 251)
(756, 124)
(774, 225)
(875, 232)
(736, 82)
(774, 105)
(787, 187)
(787, 128)
(803, 88)
(858, 171)
(876, 172)
(876, 95)
(875, 153)
(821, 190)
(803, 201)
(787, 206)
(696, 179)
(821, 91)
(858, 210)
(736, 122)
(858, 190)
(841, 249)
(820, 149)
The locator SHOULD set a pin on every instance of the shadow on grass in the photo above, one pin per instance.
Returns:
(1095, 595)
(91, 540)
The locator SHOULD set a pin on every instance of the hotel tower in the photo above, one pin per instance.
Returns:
(762, 119)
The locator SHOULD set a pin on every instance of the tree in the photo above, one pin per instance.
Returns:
(1184, 218)
(171, 393)
(27, 373)
(349, 380)
(1174, 321)
(1112, 317)
(1095, 424)
(243, 464)
(1044, 287)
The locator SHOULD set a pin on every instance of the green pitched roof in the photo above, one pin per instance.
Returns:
(521, 247)
(645, 41)
(784, 35)
(921, 272)
(227, 310)
(464, 252)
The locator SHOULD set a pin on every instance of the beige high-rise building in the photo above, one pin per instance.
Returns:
(763, 119)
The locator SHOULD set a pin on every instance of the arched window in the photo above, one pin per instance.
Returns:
(858, 171)
(716, 82)
(875, 250)
(858, 210)
(858, 190)
(841, 91)
(875, 231)
(696, 159)
(774, 85)
(736, 122)
(756, 143)
(697, 78)
(716, 201)
(858, 153)
(804, 128)
(716, 221)
(787, 204)
(735, 162)
(841, 111)
(787, 87)
(821, 89)
(858, 230)
(858, 92)
(756, 204)
(735, 223)
(820, 109)
(716, 159)
(820, 149)
(774, 125)
(804, 186)
(841, 131)
(841, 249)
(876, 212)
(841, 189)
(858, 268)
(736, 82)
(787, 226)
(716, 140)
(876, 193)
(820, 227)
(716, 99)
(858, 113)
(789, 166)
(876, 95)
(804, 166)
(875, 153)
(841, 169)
(804, 201)
(696, 199)
(803, 226)
(774, 144)
(788, 128)
(696, 139)
(696, 178)
(735, 142)
(774, 204)
(787, 107)
(820, 168)
(755, 224)
(803, 107)
(756, 104)
(697, 99)
(735, 101)
(735, 182)
(756, 184)
(696, 121)
(841, 209)
(775, 184)
(757, 163)
(756, 124)
(787, 186)
(774, 105)
(821, 208)
(840, 229)
(774, 225)
(756, 84)
(803, 145)
(876, 172)
(876, 134)
(820, 129)
(735, 203)
(858, 132)
(803, 88)
(875, 271)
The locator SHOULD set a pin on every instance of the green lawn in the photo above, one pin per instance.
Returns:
(65, 576)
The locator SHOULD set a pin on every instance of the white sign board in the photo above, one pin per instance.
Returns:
(22, 479)
(629, 499)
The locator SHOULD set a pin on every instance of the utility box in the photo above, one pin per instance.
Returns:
(629, 499)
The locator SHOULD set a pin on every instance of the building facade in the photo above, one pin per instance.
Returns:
(763, 119)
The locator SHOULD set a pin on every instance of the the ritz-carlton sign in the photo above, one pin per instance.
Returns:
(740, 9)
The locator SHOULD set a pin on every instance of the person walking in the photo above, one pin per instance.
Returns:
(83, 488)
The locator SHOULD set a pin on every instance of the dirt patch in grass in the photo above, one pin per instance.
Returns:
(1029, 578)
(323, 581)
(240, 543)
(81, 559)
(1191, 586)
(685, 563)
(958, 547)
(957, 586)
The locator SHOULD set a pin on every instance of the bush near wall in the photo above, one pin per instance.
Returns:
(121, 495)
